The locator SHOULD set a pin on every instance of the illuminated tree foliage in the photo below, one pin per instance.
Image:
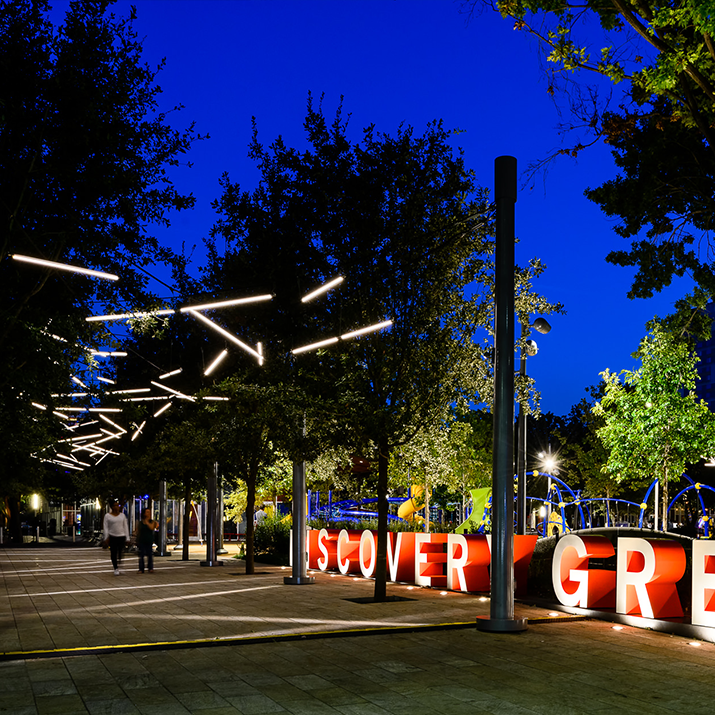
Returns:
(404, 221)
(654, 426)
(84, 156)
(659, 58)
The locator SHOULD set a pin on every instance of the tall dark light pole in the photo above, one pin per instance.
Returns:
(502, 572)
(542, 326)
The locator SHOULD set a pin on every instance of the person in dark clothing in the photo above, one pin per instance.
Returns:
(145, 540)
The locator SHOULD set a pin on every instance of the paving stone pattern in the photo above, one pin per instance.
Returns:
(60, 598)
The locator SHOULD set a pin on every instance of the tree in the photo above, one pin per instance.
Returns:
(662, 133)
(84, 159)
(404, 221)
(654, 425)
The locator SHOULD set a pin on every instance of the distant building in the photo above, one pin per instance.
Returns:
(705, 350)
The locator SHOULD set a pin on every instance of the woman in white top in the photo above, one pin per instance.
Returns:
(116, 534)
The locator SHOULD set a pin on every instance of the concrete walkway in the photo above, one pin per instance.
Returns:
(74, 638)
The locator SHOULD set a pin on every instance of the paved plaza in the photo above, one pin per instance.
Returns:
(74, 638)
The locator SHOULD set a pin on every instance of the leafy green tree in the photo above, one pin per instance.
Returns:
(84, 160)
(661, 56)
(654, 425)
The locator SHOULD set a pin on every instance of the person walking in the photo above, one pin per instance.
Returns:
(145, 540)
(116, 533)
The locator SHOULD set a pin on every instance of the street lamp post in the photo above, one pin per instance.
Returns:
(541, 326)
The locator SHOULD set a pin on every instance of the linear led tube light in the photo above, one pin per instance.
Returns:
(216, 399)
(315, 346)
(171, 373)
(74, 460)
(226, 303)
(132, 391)
(64, 464)
(106, 353)
(259, 350)
(79, 382)
(65, 267)
(111, 436)
(216, 362)
(226, 334)
(138, 430)
(38, 405)
(145, 399)
(368, 329)
(104, 409)
(59, 414)
(163, 409)
(72, 394)
(107, 380)
(122, 316)
(72, 409)
(103, 456)
(323, 289)
(114, 424)
(175, 392)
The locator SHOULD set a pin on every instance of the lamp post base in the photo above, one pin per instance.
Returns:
(501, 625)
(298, 580)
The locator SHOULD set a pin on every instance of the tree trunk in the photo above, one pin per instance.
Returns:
(250, 508)
(14, 522)
(382, 509)
(187, 520)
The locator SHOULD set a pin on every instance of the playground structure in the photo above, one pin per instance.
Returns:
(560, 504)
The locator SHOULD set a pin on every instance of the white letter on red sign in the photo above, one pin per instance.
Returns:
(647, 571)
(703, 583)
(574, 584)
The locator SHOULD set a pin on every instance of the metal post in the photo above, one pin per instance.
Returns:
(502, 572)
(219, 520)
(161, 551)
(521, 455)
(298, 545)
(211, 559)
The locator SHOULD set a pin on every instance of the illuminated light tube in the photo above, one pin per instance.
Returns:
(79, 382)
(226, 334)
(216, 399)
(73, 460)
(103, 456)
(170, 374)
(65, 267)
(122, 316)
(138, 430)
(174, 392)
(104, 409)
(72, 409)
(107, 380)
(323, 289)
(145, 399)
(106, 439)
(226, 303)
(216, 362)
(38, 405)
(163, 409)
(106, 353)
(132, 391)
(72, 394)
(80, 438)
(315, 346)
(114, 424)
(67, 465)
(59, 414)
(259, 350)
(368, 329)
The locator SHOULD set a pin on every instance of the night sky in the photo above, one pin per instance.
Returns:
(405, 61)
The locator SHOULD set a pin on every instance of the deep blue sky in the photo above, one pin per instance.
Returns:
(405, 61)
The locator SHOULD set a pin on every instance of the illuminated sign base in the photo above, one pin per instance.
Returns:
(643, 586)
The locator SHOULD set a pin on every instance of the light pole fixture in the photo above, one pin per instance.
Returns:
(501, 608)
(541, 325)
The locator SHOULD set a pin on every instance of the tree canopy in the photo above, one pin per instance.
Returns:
(84, 158)
(654, 426)
(659, 58)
